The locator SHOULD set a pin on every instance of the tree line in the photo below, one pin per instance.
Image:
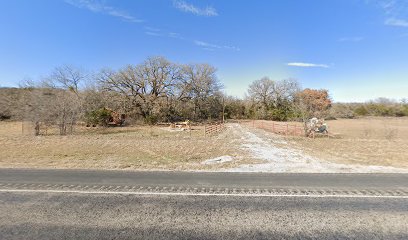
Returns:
(156, 90)
(381, 107)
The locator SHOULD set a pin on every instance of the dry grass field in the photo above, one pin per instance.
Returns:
(139, 147)
(368, 141)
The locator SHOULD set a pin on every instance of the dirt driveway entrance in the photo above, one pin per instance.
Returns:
(279, 156)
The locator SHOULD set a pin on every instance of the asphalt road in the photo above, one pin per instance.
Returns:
(71, 204)
(206, 179)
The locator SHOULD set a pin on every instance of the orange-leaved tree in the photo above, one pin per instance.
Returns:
(311, 103)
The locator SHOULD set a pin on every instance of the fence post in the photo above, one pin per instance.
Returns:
(273, 127)
(287, 129)
(205, 130)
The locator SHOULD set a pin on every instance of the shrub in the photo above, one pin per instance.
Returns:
(342, 110)
(98, 117)
(4, 116)
(402, 111)
(281, 114)
(151, 119)
(361, 111)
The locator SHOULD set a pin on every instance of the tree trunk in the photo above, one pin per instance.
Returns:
(37, 128)
(63, 129)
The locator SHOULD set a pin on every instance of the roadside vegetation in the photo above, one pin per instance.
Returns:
(158, 90)
(131, 117)
(154, 91)
(381, 107)
(365, 141)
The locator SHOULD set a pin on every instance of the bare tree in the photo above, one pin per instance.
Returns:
(199, 84)
(145, 84)
(69, 101)
(284, 92)
(67, 77)
(261, 92)
(273, 99)
(39, 107)
(55, 100)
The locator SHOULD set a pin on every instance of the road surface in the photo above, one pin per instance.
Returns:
(77, 204)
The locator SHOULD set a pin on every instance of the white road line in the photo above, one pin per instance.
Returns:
(201, 194)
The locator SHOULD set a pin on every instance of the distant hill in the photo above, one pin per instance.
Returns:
(11, 102)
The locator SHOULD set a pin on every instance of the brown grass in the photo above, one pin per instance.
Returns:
(367, 141)
(138, 147)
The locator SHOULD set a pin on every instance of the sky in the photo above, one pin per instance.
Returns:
(357, 49)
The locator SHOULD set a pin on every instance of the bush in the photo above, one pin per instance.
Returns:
(281, 114)
(402, 111)
(342, 110)
(361, 111)
(380, 109)
(98, 117)
(151, 119)
(4, 116)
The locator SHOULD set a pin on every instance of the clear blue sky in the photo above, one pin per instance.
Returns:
(358, 49)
